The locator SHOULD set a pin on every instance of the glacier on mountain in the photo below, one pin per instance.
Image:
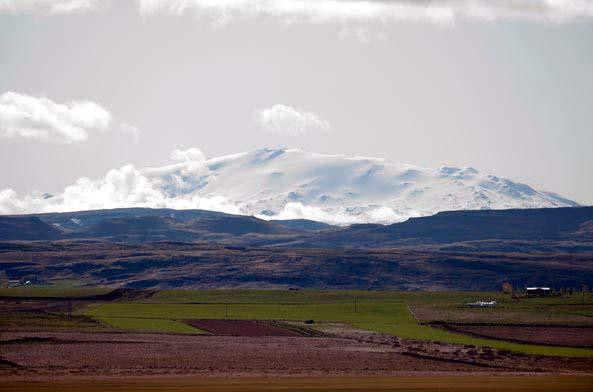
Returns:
(285, 183)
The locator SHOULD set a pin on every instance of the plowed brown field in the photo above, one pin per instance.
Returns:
(556, 336)
(60, 355)
(405, 383)
(241, 328)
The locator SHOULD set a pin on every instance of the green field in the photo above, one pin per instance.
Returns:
(152, 324)
(374, 315)
(60, 289)
(45, 321)
(319, 296)
(427, 306)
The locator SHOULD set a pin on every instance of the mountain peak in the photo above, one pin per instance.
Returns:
(292, 183)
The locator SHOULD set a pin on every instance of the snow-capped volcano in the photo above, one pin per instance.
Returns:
(292, 183)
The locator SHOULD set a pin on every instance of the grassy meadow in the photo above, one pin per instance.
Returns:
(386, 312)
(149, 324)
(403, 314)
(318, 296)
(56, 289)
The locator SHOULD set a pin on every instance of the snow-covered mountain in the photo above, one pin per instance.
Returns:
(289, 184)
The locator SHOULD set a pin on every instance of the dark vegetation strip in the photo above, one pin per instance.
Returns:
(484, 324)
(452, 360)
(41, 340)
(244, 328)
(8, 364)
(128, 294)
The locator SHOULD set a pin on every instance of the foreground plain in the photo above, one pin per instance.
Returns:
(404, 383)
(57, 334)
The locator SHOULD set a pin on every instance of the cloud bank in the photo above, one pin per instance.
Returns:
(171, 186)
(128, 186)
(383, 11)
(51, 7)
(321, 11)
(38, 118)
(297, 210)
(286, 120)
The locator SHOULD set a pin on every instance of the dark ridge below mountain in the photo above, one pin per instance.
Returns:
(137, 225)
(77, 219)
(159, 248)
(303, 224)
(461, 266)
(26, 228)
(570, 223)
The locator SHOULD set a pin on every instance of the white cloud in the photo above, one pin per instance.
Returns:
(126, 187)
(39, 118)
(321, 11)
(375, 214)
(190, 155)
(301, 211)
(286, 120)
(383, 11)
(384, 215)
(362, 34)
(131, 129)
(51, 7)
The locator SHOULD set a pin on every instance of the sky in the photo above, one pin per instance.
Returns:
(90, 85)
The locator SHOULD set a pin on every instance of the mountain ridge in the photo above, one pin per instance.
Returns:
(288, 184)
(140, 225)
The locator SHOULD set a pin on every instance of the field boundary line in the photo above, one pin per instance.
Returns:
(412, 313)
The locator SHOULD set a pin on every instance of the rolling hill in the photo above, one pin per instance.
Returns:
(456, 250)
(135, 225)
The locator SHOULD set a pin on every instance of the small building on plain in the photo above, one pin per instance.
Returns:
(538, 291)
(483, 304)
(14, 283)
